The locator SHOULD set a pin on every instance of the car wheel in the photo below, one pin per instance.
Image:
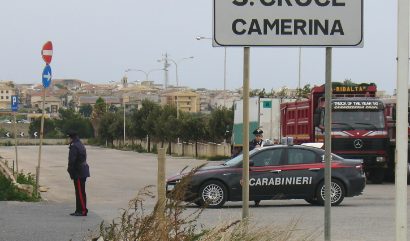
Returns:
(312, 201)
(337, 193)
(213, 194)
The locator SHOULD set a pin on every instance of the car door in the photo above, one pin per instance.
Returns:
(300, 171)
(264, 170)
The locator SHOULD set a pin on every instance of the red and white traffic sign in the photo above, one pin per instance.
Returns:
(47, 52)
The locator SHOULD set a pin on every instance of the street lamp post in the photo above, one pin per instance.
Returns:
(224, 92)
(145, 72)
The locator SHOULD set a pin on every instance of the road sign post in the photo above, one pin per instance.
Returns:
(47, 53)
(14, 108)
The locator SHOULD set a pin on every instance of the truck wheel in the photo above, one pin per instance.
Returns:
(377, 176)
(337, 193)
(213, 194)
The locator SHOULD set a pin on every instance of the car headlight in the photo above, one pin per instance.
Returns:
(380, 159)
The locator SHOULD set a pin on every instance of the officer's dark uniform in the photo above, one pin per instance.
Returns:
(79, 171)
(252, 146)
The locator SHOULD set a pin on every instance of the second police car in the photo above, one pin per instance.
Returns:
(276, 172)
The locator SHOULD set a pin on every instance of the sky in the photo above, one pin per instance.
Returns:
(97, 40)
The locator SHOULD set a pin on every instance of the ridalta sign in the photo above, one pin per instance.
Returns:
(288, 23)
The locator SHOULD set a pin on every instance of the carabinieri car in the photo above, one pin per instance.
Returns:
(275, 172)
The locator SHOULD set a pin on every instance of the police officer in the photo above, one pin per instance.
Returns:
(79, 171)
(257, 142)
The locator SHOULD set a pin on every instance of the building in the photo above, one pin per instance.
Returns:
(52, 104)
(184, 100)
(7, 89)
(109, 100)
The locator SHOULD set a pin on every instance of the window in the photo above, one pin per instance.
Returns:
(301, 156)
(7, 91)
(1, 97)
(270, 157)
(7, 97)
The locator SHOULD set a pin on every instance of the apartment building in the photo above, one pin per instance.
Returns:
(184, 100)
(7, 89)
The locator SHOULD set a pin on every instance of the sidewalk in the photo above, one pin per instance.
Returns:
(44, 221)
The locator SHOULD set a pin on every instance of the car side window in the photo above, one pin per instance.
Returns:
(300, 156)
(270, 157)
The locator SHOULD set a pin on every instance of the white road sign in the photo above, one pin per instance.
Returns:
(288, 23)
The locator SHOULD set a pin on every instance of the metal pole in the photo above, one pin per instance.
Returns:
(166, 70)
(225, 78)
(41, 142)
(245, 166)
(176, 73)
(300, 66)
(402, 119)
(161, 178)
(328, 142)
(161, 190)
(15, 143)
(124, 120)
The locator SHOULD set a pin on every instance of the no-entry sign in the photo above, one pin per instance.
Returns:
(288, 23)
(47, 52)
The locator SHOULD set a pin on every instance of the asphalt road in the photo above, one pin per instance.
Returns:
(116, 177)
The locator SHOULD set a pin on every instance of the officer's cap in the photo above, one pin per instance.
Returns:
(72, 134)
(258, 131)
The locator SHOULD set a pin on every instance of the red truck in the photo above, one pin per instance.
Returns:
(359, 126)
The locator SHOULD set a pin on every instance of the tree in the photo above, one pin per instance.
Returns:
(220, 119)
(100, 108)
(303, 92)
(86, 110)
(150, 112)
(194, 128)
(107, 127)
(167, 124)
(70, 120)
(48, 130)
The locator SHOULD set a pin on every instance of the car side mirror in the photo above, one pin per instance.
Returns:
(251, 163)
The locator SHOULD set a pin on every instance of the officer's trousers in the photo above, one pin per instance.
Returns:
(80, 196)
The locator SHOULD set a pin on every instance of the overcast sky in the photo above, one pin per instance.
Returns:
(96, 40)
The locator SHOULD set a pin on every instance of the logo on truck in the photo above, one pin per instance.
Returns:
(358, 143)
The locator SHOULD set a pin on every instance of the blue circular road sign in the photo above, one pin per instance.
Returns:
(47, 76)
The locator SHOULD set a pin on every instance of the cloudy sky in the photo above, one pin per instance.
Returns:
(96, 40)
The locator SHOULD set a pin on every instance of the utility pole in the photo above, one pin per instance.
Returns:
(166, 65)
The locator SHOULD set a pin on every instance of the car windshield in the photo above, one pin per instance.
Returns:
(357, 120)
(238, 159)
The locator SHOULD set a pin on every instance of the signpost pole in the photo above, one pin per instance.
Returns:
(41, 142)
(328, 142)
(15, 143)
(245, 165)
(402, 119)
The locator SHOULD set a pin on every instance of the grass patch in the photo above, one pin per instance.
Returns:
(9, 192)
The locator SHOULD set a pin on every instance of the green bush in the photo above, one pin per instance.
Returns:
(9, 192)
(138, 148)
